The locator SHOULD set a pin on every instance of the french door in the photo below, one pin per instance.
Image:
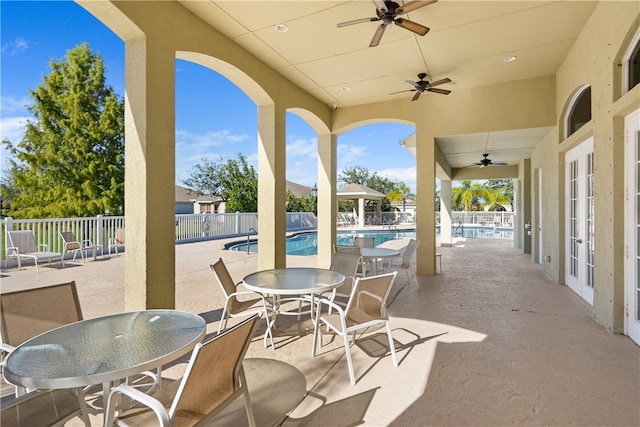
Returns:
(632, 226)
(579, 220)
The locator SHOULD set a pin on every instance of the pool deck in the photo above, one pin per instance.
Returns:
(490, 341)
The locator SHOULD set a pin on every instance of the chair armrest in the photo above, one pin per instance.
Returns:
(13, 251)
(329, 303)
(44, 246)
(6, 348)
(87, 243)
(154, 404)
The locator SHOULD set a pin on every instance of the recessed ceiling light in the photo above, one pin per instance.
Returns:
(281, 28)
(510, 58)
(346, 88)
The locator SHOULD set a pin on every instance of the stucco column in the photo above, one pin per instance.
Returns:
(327, 204)
(379, 211)
(523, 215)
(426, 206)
(149, 176)
(361, 212)
(445, 213)
(271, 187)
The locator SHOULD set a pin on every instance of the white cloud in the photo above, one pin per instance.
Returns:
(15, 47)
(351, 155)
(303, 148)
(14, 106)
(406, 175)
(12, 128)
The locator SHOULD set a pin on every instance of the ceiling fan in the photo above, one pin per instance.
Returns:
(424, 86)
(486, 161)
(387, 11)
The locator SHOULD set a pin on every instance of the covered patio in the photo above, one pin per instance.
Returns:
(490, 341)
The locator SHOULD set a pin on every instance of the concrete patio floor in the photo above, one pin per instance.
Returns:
(490, 341)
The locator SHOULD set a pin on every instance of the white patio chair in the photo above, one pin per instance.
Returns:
(407, 260)
(116, 241)
(214, 378)
(235, 307)
(42, 408)
(367, 307)
(72, 244)
(22, 244)
(346, 260)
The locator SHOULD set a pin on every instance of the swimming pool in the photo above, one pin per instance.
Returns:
(305, 244)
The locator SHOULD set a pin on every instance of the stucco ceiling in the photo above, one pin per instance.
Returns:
(467, 42)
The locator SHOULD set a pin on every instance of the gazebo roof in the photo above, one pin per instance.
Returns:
(359, 191)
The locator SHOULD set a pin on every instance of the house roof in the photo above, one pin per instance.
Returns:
(298, 190)
(359, 191)
(186, 195)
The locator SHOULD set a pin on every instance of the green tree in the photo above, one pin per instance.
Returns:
(463, 198)
(301, 204)
(504, 186)
(70, 161)
(401, 192)
(235, 181)
(363, 176)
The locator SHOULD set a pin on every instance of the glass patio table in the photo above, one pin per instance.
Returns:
(104, 349)
(377, 253)
(294, 284)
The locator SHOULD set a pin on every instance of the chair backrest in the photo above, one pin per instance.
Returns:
(213, 374)
(24, 240)
(227, 285)
(40, 408)
(70, 241)
(349, 249)
(346, 263)
(364, 242)
(119, 236)
(27, 313)
(368, 299)
(407, 256)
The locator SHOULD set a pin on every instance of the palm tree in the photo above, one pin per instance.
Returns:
(463, 198)
(496, 198)
(400, 192)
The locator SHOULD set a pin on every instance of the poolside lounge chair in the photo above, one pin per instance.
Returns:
(22, 244)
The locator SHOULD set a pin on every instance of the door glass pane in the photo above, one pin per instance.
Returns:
(590, 221)
(573, 219)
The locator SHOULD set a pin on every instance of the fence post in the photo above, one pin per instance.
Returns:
(99, 232)
(237, 222)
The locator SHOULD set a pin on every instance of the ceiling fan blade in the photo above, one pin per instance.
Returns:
(357, 21)
(402, 91)
(413, 5)
(412, 26)
(380, 5)
(440, 91)
(414, 84)
(499, 163)
(416, 96)
(377, 36)
(440, 82)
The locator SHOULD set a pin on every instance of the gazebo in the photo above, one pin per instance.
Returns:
(360, 193)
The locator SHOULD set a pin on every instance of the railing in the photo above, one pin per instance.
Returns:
(189, 227)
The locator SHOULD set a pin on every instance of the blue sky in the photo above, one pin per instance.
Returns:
(214, 118)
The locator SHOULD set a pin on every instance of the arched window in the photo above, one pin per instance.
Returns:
(632, 64)
(580, 112)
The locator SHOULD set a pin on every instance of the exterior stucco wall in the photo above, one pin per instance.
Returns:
(592, 62)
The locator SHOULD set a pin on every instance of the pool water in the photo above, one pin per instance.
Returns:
(305, 244)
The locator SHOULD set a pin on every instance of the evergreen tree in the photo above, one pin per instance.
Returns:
(70, 162)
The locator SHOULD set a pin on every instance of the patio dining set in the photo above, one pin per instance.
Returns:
(63, 366)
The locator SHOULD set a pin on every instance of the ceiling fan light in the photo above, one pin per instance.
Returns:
(281, 28)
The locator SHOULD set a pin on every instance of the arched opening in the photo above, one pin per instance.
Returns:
(579, 111)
